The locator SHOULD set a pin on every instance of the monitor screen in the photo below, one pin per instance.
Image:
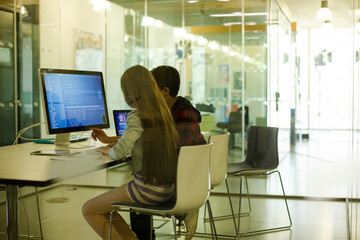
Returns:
(120, 117)
(73, 100)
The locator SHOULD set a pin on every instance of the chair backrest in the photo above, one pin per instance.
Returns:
(235, 122)
(193, 178)
(218, 158)
(262, 147)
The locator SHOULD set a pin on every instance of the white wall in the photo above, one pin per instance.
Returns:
(58, 21)
(115, 32)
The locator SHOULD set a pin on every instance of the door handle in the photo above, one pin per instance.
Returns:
(277, 96)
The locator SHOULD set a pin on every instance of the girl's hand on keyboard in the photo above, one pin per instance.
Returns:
(103, 150)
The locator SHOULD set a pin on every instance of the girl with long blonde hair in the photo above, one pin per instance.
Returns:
(152, 139)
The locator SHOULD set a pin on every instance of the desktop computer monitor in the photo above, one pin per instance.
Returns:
(73, 101)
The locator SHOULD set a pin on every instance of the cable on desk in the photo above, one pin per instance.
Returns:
(21, 197)
(24, 130)
(82, 145)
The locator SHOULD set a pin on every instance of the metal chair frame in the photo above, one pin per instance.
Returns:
(244, 173)
(267, 230)
(181, 204)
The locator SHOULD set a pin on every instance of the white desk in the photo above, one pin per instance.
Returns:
(19, 168)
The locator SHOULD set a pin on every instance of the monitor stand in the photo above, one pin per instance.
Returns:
(62, 139)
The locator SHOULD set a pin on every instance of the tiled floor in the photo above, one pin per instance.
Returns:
(315, 174)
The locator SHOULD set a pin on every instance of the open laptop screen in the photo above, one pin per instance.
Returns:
(120, 117)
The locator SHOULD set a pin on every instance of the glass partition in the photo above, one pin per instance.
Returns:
(352, 203)
(280, 70)
(222, 62)
(7, 75)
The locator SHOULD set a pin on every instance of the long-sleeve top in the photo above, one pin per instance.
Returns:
(187, 119)
(130, 142)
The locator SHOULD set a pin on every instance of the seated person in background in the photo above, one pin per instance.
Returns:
(246, 115)
(187, 119)
(153, 140)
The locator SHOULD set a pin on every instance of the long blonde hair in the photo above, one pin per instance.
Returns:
(160, 137)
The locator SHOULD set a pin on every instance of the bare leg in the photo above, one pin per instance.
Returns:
(96, 211)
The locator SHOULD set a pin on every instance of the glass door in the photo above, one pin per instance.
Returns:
(7, 77)
(281, 74)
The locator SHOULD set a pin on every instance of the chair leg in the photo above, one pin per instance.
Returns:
(240, 192)
(231, 206)
(212, 219)
(248, 193)
(287, 206)
(212, 224)
(205, 219)
(110, 224)
(232, 215)
(39, 216)
(151, 227)
(174, 226)
(268, 230)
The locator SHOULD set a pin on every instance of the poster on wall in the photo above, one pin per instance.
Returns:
(88, 51)
(238, 81)
(223, 73)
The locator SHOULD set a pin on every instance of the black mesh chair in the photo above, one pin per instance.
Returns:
(261, 159)
(234, 125)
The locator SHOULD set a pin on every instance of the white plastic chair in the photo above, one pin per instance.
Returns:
(192, 187)
(218, 170)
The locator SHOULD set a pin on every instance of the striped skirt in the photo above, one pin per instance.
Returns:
(149, 194)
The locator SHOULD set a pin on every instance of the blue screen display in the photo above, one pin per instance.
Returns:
(74, 100)
(120, 122)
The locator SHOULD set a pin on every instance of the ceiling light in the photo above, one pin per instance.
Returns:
(324, 12)
(357, 27)
(192, 1)
(100, 5)
(253, 14)
(327, 27)
(271, 22)
(225, 48)
(202, 41)
(189, 36)
(213, 45)
(179, 32)
(238, 14)
(223, 0)
(159, 24)
(23, 11)
(147, 21)
(232, 23)
(233, 53)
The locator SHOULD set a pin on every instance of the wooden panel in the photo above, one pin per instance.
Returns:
(226, 29)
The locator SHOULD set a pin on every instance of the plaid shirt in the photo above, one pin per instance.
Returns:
(187, 124)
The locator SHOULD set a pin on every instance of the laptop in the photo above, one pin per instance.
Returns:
(120, 117)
